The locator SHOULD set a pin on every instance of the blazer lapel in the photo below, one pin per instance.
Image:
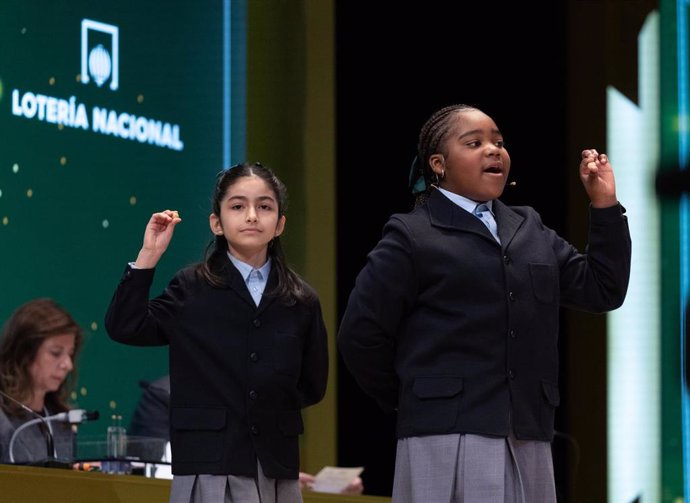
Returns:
(237, 284)
(508, 222)
(445, 213)
(267, 298)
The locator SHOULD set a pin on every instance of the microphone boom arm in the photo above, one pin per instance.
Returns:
(49, 438)
(76, 416)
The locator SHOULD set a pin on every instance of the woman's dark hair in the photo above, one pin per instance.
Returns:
(24, 332)
(291, 288)
(432, 140)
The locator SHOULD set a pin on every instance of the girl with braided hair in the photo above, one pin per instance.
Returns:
(453, 321)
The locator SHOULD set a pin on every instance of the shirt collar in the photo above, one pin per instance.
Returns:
(246, 269)
(465, 203)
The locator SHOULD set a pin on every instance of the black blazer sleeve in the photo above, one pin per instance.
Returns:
(314, 375)
(132, 319)
(384, 291)
(597, 281)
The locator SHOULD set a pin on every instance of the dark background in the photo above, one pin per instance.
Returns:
(395, 65)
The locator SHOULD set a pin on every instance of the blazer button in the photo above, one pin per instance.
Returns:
(254, 429)
(253, 356)
(511, 296)
(253, 394)
(512, 334)
(506, 259)
(257, 323)
(511, 374)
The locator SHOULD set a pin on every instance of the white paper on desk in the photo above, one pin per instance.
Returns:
(333, 479)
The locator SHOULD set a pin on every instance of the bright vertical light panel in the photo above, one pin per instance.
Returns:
(684, 219)
(227, 83)
(634, 378)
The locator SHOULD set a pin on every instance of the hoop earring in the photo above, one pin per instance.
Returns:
(443, 174)
(435, 182)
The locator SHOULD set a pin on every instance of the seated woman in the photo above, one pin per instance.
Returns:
(39, 346)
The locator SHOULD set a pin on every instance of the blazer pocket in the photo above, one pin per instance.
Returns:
(434, 404)
(437, 387)
(544, 281)
(198, 433)
(548, 406)
(551, 393)
(290, 423)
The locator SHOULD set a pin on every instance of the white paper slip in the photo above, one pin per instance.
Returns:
(333, 479)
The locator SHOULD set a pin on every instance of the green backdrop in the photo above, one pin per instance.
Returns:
(237, 80)
(83, 165)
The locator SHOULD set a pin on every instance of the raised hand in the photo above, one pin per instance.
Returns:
(596, 174)
(157, 236)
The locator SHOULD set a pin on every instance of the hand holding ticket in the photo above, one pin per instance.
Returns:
(335, 479)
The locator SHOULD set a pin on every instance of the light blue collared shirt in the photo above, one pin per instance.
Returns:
(469, 205)
(465, 203)
(255, 279)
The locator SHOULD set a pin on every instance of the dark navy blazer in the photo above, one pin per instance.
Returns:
(460, 334)
(239, 374)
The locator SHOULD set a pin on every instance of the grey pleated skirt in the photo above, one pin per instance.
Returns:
(473, 469)
(233, 489)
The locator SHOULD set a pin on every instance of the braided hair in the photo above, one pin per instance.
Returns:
(432, 140)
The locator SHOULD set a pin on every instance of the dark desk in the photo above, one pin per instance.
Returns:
(25, 484)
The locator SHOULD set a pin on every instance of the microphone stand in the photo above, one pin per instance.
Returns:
(51, 461)
(50, 444)
(72, 416)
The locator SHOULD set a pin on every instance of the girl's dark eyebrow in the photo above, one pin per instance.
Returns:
(238, 196)
(245, 198)
(476, 131)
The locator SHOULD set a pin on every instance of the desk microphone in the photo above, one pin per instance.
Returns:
(50, 446)
(76, 416)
